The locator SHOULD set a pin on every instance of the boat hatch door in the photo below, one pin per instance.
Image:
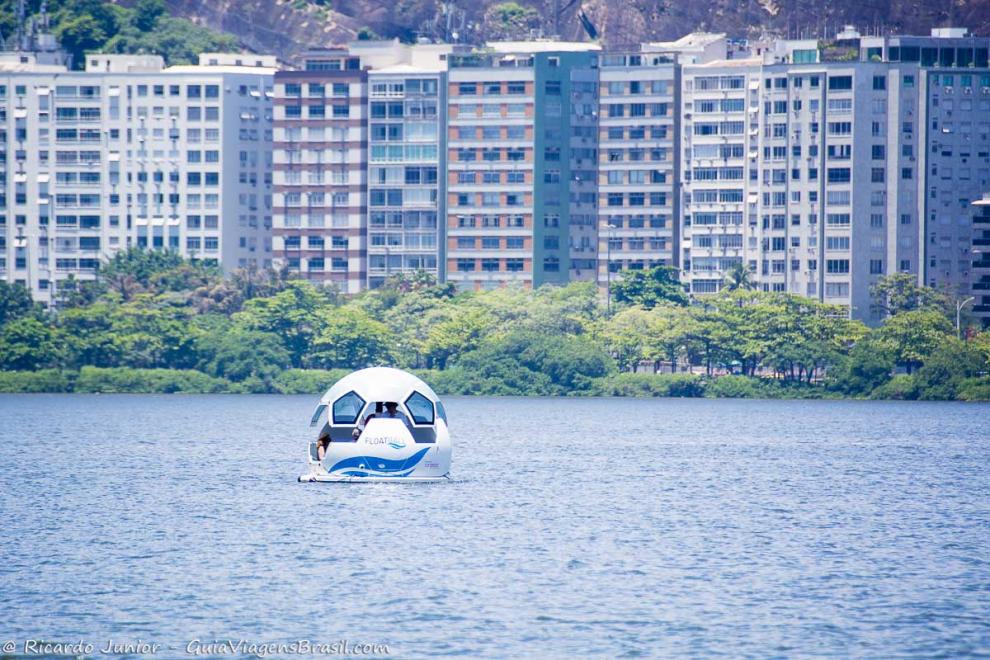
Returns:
(421, 408)
(317, 414)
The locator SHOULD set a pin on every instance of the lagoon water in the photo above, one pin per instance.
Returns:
(571, 527)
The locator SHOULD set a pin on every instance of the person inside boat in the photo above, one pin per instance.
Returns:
(361, 424)
(322, 443)
(392, 412)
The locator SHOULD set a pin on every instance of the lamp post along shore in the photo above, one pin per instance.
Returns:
(959, 305)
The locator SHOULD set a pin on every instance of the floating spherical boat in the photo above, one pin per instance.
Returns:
(379, 424)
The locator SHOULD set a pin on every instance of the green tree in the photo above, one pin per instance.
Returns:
(146, 14)
(626, 335)
(574, 308)
(532, 363)
(945, 369)
(912, 336)
(869, 365)
(900, 292)
(15, 302)
(510, 20)
(130, 272)
(809, 337)
(571, 361)
(242, 354)
(27, 343)
(149, 336)
(80, 35)
(669, 333)
(177, 40)
(649, 288)
(90, 335)
(78, 293)
(459, 333)
(709, 338)
(350, 339)
(755, 322)
(291, 314)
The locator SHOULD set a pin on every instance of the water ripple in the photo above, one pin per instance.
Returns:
(571, 528)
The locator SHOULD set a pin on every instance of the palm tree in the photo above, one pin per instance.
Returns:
(740, 277)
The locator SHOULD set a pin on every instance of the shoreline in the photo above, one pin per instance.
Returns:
(125, 380)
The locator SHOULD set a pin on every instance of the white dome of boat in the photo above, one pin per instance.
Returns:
(379, 424)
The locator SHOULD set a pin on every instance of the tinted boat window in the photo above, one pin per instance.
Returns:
(346, 408)
(421, 408)
(316, 415)
(442, 413)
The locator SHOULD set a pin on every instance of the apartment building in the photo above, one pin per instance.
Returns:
(839, 201)
(980, 287)
(320, 169)
(358, 155)
(581, 124)
(130, 153)
(819, 206)
(720, 142)
(954, 163)
(520, 207)
(820, 168)
(406, 189)
(637, 221)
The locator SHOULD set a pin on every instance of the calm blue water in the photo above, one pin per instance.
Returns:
(573, 527)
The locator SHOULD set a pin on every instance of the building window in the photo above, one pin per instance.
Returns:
(839, 82)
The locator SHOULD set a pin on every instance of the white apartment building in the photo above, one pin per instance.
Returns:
(953, 150)
(839, 165)
(803, 171)
(637, 227)
(861, 159)
(720, 137)
(130, 153)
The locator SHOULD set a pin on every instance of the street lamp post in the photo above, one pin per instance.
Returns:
(959, 305)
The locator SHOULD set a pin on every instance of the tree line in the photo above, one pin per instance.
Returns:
(260, 331)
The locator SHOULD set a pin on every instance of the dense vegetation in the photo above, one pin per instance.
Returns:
(153, 322)
(84, 26)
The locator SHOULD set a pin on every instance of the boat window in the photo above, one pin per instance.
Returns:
(346, 408)
(320, 409)
(441, 412)
(421, 408)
